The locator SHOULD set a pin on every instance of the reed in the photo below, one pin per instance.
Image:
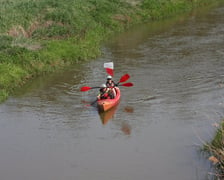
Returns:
(215, 149)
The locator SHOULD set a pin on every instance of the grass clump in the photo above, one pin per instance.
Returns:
(11, 76)
(215, 148)
(3, 95)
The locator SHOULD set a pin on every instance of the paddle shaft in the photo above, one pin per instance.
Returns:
(122, 79)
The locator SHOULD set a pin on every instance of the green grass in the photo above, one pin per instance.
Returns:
(11, 76)
(215, 149)
(40, 36)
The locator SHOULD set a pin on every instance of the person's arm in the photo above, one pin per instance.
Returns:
(98, 96)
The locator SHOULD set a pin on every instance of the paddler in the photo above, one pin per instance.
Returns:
(104, 92)
(110, 85)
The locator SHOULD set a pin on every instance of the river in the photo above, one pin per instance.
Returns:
(48, 131)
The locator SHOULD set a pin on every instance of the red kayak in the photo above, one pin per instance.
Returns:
(106, 104)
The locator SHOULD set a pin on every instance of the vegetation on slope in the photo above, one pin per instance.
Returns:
(215, 149)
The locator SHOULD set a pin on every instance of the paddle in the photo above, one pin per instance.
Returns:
(122, 79)
(129, 84)
(92, 103)
(87, 88)
(109, 68)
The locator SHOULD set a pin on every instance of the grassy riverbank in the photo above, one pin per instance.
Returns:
(216, 152)
(38, 37)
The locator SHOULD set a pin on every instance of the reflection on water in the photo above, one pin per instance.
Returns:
(126, 128)
(106, 116)
(48, 132)
(109, 115)
(129, 109)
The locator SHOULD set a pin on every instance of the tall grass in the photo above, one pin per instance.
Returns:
(215, 148)
(39, 36)
(61, 17)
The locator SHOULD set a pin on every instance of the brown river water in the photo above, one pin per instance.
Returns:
(48, 131)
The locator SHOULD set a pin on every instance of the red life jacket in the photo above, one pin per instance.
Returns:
(105, 96)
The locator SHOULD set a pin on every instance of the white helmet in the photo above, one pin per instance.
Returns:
(109, 77)
(103, 86)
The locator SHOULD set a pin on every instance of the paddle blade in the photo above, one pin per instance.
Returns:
(85, 88)
(127, 84)
(124, 78)
(109, 68)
